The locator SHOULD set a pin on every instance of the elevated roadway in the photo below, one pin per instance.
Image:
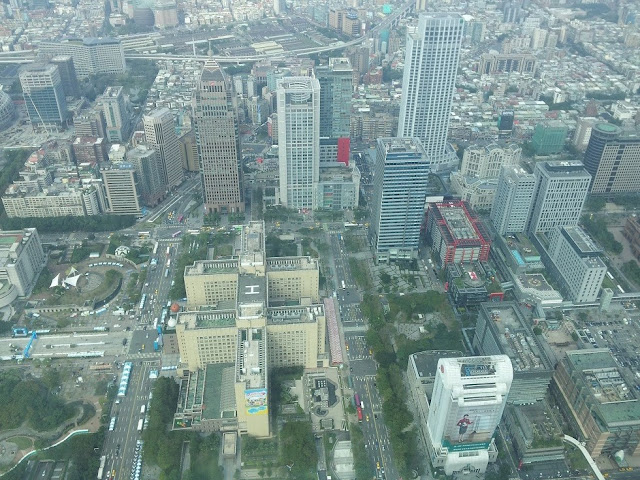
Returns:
(28, 56)
(587, 456)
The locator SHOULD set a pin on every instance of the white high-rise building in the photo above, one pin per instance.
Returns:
(431, 63)
(469, 396)
(160, 133)
(484, 161)
(298, 140)
(512, 204)
(560, 193)
(578, 262)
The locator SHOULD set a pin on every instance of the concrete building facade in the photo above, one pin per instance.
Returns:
(299, 141)
(160, 134)
(560, 193)
(503, 329)
(116, 115)
(512, 203)
(594, 395)
(401, 177)
(578, 261)
(21, 261)
(121, 188)
(430, 67)
(91, 56)
(469, 397)
(242, 321)
(218, 141)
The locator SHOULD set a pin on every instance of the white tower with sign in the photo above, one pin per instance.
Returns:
(469, 396)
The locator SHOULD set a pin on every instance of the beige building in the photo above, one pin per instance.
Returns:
(244, 314)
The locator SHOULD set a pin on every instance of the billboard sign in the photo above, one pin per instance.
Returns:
(255, 401)
(471, 427)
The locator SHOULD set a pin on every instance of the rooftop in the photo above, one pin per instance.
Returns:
(427, 362)
(251, 364)
(211, 72)
(616, 406)
(515, 337)
(294, 314)
(458, 222)
(208, 319)
(563, 168)
(210, 267)
(218, 391)
(581, 241)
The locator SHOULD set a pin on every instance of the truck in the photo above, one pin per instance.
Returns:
(140, 423)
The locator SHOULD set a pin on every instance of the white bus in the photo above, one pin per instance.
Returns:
(344, 287)
(140, 423)
(142, 409)
(155, 248)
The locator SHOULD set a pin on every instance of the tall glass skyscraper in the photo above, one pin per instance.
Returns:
(430, 66)
(216, 125)
(43, 94)
(336, 90)
(160, 133)
(400, 188)
(298, 140)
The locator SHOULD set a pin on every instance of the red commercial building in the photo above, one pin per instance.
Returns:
(456, 234)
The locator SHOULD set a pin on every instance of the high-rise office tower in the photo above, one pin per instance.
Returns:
(469, 396)
(560, 192)
(613, 160)
(67, 74)
(336, 89)
(512, 204)
(116, 115)
(151, 186)
(401, 176)
(160, 133)
(299, 140)
(121, 187)
(431, 63)
(216, 127)
(43, 94)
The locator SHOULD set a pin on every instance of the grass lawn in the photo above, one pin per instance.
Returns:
(22, 442)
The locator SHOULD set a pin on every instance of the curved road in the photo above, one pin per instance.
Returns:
(587, 456)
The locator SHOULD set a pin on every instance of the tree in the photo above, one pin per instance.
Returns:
(299, 450)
